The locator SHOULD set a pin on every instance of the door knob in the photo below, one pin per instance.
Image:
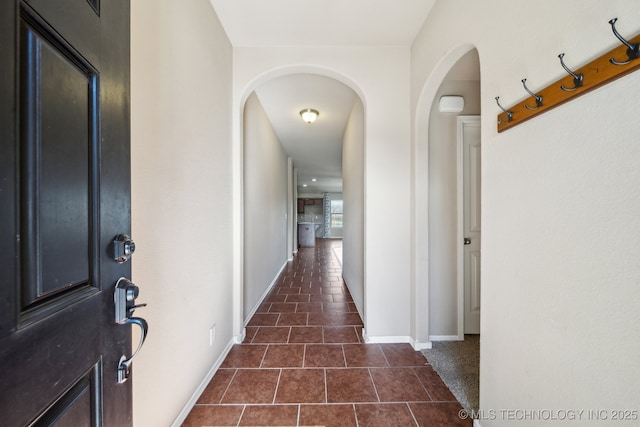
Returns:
(123, 248)
(467, 241)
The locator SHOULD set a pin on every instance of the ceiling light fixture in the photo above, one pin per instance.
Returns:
(309, 115)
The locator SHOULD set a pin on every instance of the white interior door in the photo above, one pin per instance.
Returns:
(470, 260)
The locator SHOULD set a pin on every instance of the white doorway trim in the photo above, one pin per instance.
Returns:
(461, 123)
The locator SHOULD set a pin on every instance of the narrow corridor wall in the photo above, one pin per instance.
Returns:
(265, 204)
(353, 199)
(181, 81)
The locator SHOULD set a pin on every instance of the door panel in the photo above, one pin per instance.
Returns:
(472, 220)
(85, 33)
(64, 196)
(474, 282)
(473, 180)
(58, 164)
(78, 406)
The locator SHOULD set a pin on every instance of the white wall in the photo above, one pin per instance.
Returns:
(443, 207)
(181, 199)
(560, 205)
(353, 205)
(265, 205)
(380, 76)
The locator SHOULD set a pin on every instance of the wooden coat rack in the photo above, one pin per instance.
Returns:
(607, 68)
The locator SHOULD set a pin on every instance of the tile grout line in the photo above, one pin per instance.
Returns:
(422, 384)
(264, 356)
(304, 356)
(412, 414)
(374, 384)
(326, 387)
(384, 355)
(275, 393)
(227, 387)
(244, 408)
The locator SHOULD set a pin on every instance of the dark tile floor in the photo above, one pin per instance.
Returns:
(304, 363)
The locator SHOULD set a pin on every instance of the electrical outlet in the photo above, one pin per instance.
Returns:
(212, 334)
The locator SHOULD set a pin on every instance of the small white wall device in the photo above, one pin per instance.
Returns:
(451, 104)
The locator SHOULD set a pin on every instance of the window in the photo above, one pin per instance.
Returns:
(336, 213)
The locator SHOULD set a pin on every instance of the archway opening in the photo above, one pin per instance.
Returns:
(285, 161)
(453, 165)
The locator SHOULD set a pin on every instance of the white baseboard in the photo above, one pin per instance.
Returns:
(445, 338)
(264, 295)
(385, 339)
(417, 346)
(395, 339)
(239, 339)
(196, 395)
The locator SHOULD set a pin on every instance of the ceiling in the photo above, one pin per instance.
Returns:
(316, 149)
(323, 22)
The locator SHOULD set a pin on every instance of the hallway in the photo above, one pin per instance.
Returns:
(304, 363)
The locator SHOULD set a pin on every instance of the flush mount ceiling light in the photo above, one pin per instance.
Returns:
(309, 115)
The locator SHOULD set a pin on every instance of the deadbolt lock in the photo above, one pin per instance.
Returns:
(123, 248)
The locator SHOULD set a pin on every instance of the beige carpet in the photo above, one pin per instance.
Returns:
(458, 364)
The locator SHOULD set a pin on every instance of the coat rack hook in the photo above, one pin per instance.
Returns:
(509, 113)
(633, 51)
(538, 98)
(578, 79)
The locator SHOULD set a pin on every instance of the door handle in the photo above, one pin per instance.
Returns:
(467, 241)
(124, 364)
(124, 298)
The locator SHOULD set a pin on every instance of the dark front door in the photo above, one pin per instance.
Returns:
(64, 196)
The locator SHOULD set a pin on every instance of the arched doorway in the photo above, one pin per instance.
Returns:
(440, 189)
(262, 103)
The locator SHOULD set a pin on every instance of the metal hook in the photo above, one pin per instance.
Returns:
(537, 97)
(578, 79)
(509, 113)
(633, 51)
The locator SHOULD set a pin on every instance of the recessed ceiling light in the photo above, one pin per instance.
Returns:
(314, 179)
(304, 185)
